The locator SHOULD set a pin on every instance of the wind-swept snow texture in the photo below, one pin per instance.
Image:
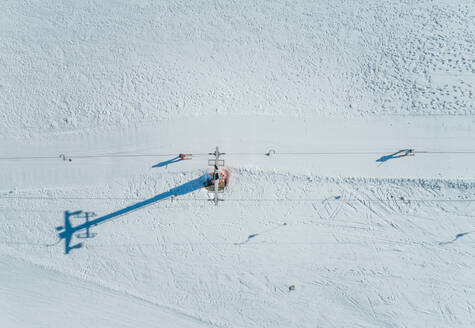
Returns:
(336, 89)
(75, 64)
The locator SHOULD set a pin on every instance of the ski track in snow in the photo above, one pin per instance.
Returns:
(67, 294)
(206, 272)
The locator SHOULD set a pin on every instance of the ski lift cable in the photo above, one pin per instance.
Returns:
(250, 199)
(275, 153)
(220, 243)
(90, 156)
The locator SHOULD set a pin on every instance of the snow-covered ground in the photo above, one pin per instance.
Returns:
(335, 88)
(71, 65)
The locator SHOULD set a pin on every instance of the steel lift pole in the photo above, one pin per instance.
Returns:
(216, 174)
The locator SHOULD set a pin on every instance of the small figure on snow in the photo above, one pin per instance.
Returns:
(178, 158)
(407, 152)
(64, 158)
(185, 156)
(398, 154)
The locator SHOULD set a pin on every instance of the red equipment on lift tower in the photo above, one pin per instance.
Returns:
(219, 177)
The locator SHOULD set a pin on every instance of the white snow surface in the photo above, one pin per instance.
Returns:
(75, 64)
(121, 86)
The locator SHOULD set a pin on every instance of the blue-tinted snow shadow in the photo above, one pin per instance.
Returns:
(260, 233)
(460, 235)
(398, 154)
(68, 231)
(170, 161)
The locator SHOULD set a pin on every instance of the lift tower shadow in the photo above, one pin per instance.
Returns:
(67, 231)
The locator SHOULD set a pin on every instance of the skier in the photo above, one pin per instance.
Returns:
(178, 158)
(184, 156)
(407, 152)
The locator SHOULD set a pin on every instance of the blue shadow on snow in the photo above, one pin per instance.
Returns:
(398, 154)
(170, 161)
(459, 235)
(261, 233)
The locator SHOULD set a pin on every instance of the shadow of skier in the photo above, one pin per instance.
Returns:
(170, 161)
(398, 154)
(261, 233)
(460, 235)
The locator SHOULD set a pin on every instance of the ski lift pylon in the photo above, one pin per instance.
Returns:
(219, 177)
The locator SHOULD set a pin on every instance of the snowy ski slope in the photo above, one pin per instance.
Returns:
(369, 239)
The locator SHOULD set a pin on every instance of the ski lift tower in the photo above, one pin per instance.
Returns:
(219, 177)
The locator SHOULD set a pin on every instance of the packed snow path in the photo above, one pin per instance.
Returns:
(361, 241)
(343, 147)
